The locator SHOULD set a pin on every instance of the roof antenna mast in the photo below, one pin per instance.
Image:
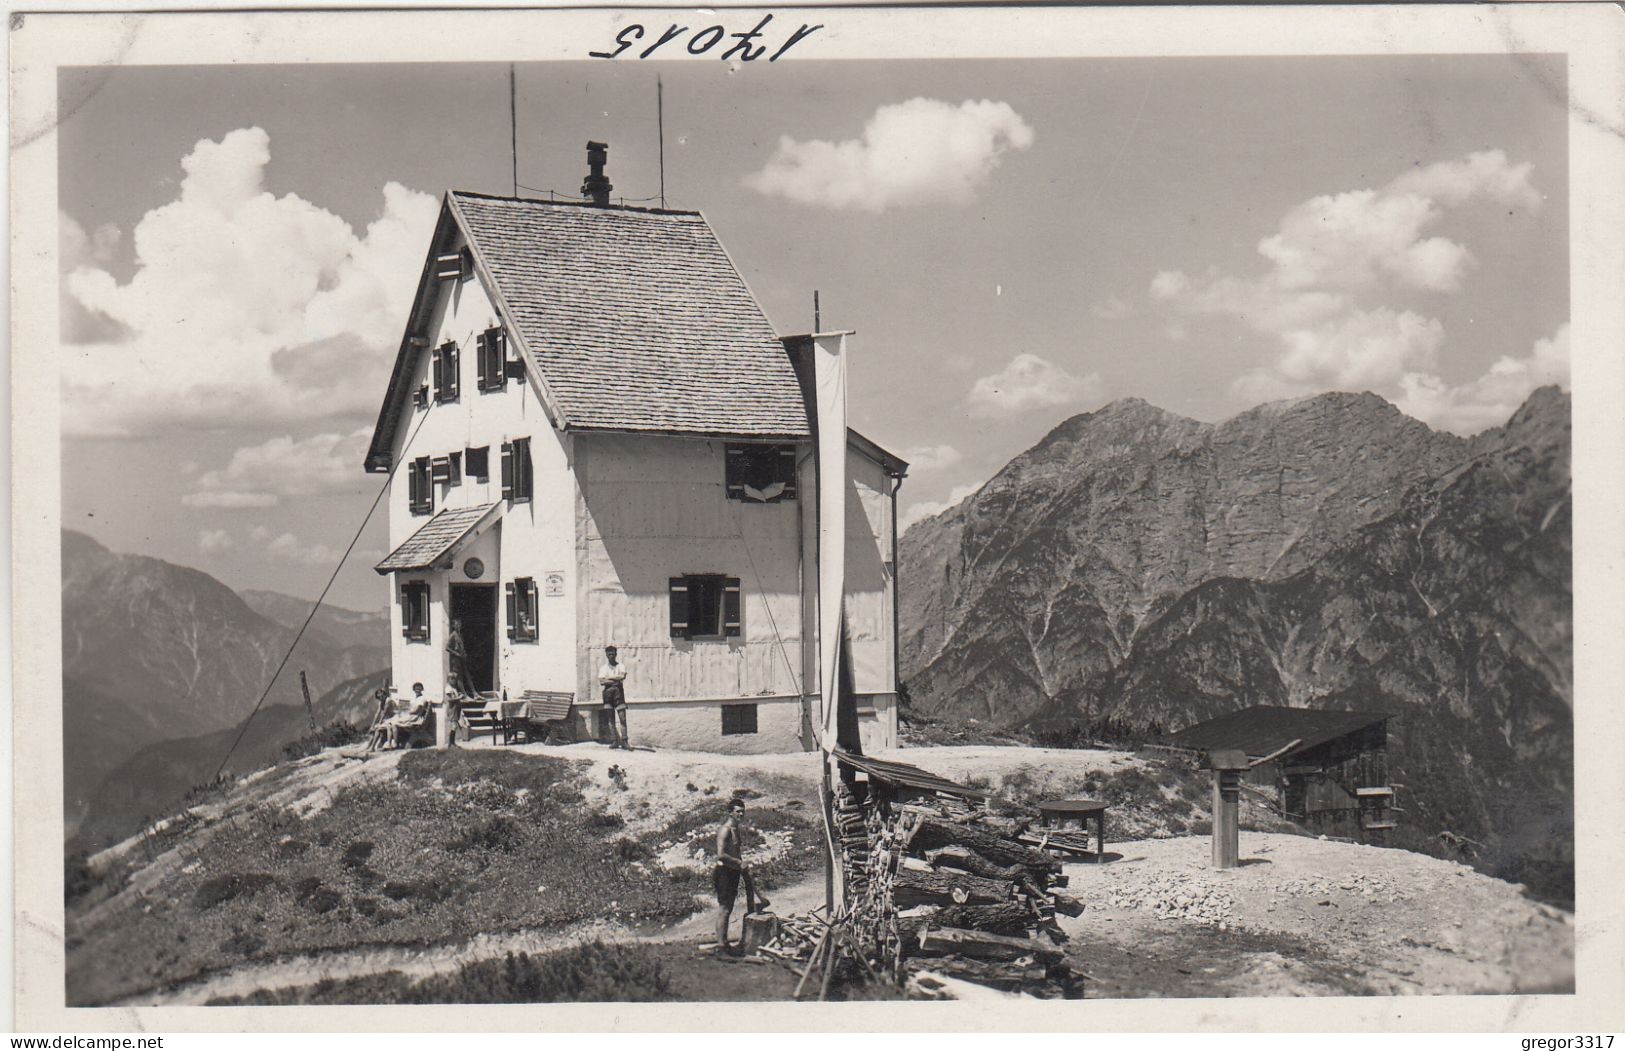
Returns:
(513, 129)
(660, 126)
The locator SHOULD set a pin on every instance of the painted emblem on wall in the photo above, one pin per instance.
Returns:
(473, 569)
(555, 583)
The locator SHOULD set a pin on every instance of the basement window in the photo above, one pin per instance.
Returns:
(762, 474)
(738, 719)
(415, 610)
(705, 606)
(522, 610)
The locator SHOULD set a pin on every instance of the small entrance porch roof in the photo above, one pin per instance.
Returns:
(440, 538)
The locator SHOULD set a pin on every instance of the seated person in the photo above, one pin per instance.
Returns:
(398, 728)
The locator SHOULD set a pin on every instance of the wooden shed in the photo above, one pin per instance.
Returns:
(1327, 769)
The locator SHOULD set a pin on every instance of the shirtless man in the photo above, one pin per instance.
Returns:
(730, 870)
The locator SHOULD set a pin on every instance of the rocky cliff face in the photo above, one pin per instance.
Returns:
(153, 651)
(1040, 582)
(1330, 552)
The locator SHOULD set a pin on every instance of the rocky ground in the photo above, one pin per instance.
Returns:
(1303, 916)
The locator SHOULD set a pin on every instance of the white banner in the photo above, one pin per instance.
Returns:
(829, 373)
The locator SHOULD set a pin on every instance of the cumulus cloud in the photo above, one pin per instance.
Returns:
(263, 475)
(1031, 382)
(1331, 262)
(931, 457)
(923, 509)
(919, 152)
(213, 541)
(1491, 398)
(1112, 308)
(286, 547)
(243, 306)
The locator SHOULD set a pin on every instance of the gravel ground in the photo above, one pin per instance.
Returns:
(1339, 917)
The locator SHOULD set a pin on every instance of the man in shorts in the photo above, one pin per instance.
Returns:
(729, 871)
(612, 677)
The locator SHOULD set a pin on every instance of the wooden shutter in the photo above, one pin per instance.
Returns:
(679, 607)
(507, 470)
(453, 372)
(731, 623)
(455, 463)
(521, 469)
(439, 374)
(449, 267)
(533, 610)
(513, 614)
(734, 469)
(440, 469)
(787, 471)
(482, 361)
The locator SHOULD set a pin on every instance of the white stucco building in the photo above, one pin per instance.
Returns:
(597, 438)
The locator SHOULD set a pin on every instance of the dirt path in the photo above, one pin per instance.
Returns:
(1308, 917)
(422, 961)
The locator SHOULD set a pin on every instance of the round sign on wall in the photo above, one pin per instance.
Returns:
(473, 569)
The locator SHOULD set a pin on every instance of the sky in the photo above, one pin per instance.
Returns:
(1014, 242)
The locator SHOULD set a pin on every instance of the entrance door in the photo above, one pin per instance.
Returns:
(475, 606)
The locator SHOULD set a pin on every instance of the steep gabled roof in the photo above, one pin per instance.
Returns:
(635, 319)
(1263, 729)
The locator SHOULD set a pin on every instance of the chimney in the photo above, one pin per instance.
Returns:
(596, 184)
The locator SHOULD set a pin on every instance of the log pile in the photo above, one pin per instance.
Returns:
(935, 885)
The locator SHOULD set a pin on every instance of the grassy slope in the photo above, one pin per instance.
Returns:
(457, 843)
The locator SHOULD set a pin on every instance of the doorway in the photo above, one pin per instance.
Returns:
(475, 607)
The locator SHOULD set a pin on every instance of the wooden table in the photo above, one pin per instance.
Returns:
(1075, 813)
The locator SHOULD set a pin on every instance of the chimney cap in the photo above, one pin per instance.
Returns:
(597, 185)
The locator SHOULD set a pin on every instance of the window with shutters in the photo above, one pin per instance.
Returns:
(738, 719)
(420, 486)
(522, 610)
(420, 397)
(762, 474)
(705, 606)
(445, 372)
(415, 610)
(478, 463)
(493, 357)
(447, 470)
(516, 474)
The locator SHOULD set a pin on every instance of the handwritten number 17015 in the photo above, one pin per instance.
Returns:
(745, 49)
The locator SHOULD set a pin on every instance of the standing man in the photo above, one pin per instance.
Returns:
(612, 677)
(729, 871)
(462, 687)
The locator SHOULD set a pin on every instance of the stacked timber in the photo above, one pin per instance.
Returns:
(949, 887)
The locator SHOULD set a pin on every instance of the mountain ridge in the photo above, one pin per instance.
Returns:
(1133, 568)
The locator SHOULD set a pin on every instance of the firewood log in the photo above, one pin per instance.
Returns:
(1066, 905)
(955, 941)
(936, 833)
(985, 972)
(962, 857)
(910, 887)
(1006, 917)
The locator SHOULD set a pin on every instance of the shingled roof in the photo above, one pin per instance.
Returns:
(436, 539)
(637, 319)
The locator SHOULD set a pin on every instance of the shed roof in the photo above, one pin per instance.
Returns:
(1264, 729)
(637, 319)
(438, 537)
(906, 774)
